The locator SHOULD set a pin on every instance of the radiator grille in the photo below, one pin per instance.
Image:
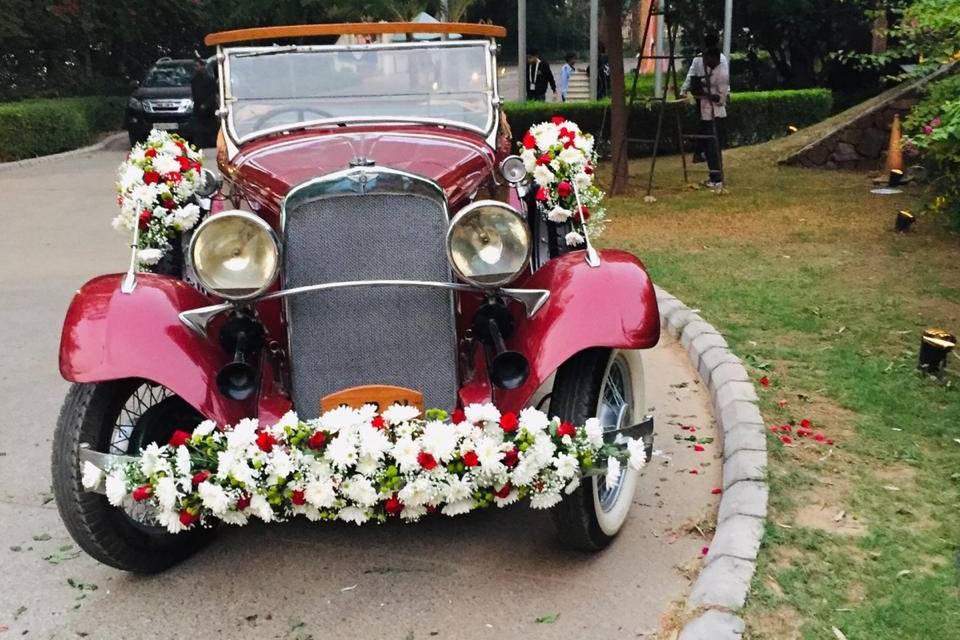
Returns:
(343, 338)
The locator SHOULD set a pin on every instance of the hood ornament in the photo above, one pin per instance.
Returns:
(362, 161)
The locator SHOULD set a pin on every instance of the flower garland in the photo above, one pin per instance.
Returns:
(562, 159)
(357, 465)
(156, 186)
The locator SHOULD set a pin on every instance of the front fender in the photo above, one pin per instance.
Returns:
(108, 335)
(613, 305)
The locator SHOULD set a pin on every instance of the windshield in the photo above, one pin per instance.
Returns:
(273, 89)
(169, 75)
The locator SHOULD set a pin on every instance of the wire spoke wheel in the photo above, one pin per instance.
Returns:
(615, 411)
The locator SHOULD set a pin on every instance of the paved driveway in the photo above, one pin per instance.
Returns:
(487, 575)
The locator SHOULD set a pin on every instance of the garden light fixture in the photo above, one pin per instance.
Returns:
(935, 345)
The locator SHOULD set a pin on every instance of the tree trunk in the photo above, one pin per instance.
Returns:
(613, 29)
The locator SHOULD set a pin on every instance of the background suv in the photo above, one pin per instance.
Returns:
(162, 100)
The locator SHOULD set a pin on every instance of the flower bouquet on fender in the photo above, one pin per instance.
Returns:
(358, 466)
(562, 160)
(156, 185)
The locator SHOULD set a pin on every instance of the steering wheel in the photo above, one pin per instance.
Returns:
(301, 112)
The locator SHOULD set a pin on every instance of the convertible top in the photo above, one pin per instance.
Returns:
(353, 28)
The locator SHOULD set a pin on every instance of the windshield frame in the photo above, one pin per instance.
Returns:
(227, 99)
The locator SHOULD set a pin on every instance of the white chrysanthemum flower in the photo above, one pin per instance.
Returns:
(545, 500)
(232, 463)
(396, 413)
(457, 508)
(149, 257)
(170, 520)
(320, 493)
(546, 135)
(214, 498)
(166, 493)
(439, 439)
(122, 223)
(489, 455)
(555, 164)
(243, 434)
(169, 146)
(235, 517)
(458, 489)
(416, 494)
(510, 498)
(412, 513)
(137, 154)
(116, 487)
(367, 412)
(367, 465)
(260, 507)
(594, 431)
(359, 490)
(184, 189)
(339, 418)
(91, 476)
(405, 452)
(529, 157)
(130, 175)
(204, 429)
(584, 143)
(583, 181)
(543, 448)
(373, 442)
(143, 195)
(533, 420)
(567, 466)
(572, 486)
(342, 451)
(478, 413)
(352, 514)
(613, 472)
(279, 465)
(559, 214)
(573, 239)
(187, 216)
(151, 459)
(524, 473)
(543, 176)
(571, 156)
(638, 453)
(165, 163)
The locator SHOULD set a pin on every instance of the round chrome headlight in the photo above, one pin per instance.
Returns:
(235, 254)
(513, 170)
(488, 243)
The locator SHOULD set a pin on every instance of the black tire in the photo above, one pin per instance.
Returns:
(575, 396)
(110, 536)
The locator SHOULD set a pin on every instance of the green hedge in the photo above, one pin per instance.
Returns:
(40, 127)
(752, 117)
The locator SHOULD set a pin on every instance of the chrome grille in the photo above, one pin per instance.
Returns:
(344, 338)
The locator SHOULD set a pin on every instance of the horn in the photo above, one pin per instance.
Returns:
(243, 335)
(507, 369)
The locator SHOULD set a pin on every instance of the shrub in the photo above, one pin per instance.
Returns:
(752, 117)
(40, 127)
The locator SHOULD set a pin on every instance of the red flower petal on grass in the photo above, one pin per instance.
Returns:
(786, 439)
(829, 441)
(704, 551)
(509, 422)
(698, 447)
(471, 459)
(142, 492)
(819, 437)
(426, 460)
(805, 423)
(566, 429)
(200, 477)
(316, 440)
(393, 506)
(765, 381)
(781, 403)
(297, 497)
(179, 438)
(693, 472)
(716, 491)
(458, 416)
(266, 441)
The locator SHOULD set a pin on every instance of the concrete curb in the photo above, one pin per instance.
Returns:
(103, 144)
(721, 588)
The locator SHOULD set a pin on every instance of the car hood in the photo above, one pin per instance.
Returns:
(456, 160)
(162, 92)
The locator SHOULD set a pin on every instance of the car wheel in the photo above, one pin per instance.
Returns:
(118, 417)
(607, 384)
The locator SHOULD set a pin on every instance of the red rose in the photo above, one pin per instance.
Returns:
(509, 422)
(544, 159)
(179, 438)
(168, 204)
(185, 163)
(582, 215)
(470, 459)
(145, 217)
(542, 195)
(151, 177)
(173, 176)
(558, 119)
(564, 189)
(588, 169)
(316, 440)
(187, 519)
(150, 153)
(529, 142)
(566, 429)
(426, 460)
(142, 492)
(266, 441)
(200, 477)
(378, 422)
(243, 501)
(183, 148)
(297, 497)
(458, 416)
(504, 491)
(805, 423)
(393, 506)
(511, 457)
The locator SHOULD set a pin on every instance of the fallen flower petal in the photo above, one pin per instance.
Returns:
(786, 439)
(765, 381)
(693, 472)
(704, 551)
(698, 447)
(819, 437)
(716, 491)
(805, 423)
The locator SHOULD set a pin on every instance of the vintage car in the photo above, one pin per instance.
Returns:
(372, 234)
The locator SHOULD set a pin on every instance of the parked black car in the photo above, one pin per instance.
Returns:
(162, 100)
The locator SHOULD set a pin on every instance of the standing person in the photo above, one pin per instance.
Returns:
(708, 80)
(567, 70)
(204, 92)
(603, 79)
(538, 77)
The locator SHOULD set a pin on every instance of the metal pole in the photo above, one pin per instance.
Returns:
(444, 16)
(727, 28)
(522, 50)
(660, 51)
(594, 48)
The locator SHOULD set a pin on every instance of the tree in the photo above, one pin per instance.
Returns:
(613, 36)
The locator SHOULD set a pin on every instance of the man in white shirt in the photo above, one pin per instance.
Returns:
(566, 71)
(708, 80)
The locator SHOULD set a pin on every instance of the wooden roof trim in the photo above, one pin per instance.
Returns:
(353, 28)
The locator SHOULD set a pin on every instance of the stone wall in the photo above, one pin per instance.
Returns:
(860, 140)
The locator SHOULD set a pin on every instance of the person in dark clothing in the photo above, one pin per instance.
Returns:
(603, 79)
(204, 92)
(538, 77)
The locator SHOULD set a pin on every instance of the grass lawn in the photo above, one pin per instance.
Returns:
(800, 271)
